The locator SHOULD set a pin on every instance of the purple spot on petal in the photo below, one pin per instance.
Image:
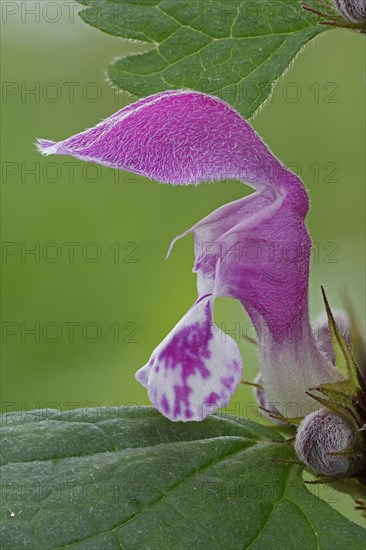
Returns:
(189, 350)
(181, 397)
(212, 399)
(165, 404)
(189, 347)
(228, 381)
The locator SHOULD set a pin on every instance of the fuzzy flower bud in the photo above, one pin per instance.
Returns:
(353, 10)
(320, 436)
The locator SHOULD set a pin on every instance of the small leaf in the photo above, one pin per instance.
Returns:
(112, 478)
(344, 360)
(236, 50)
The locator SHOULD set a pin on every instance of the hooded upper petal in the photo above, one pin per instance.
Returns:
(176, 137)
(195, 369)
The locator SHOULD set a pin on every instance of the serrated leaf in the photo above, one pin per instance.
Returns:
(112, 478)
(234, 49)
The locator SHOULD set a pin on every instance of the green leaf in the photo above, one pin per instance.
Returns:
(235, 49)
(112, 478)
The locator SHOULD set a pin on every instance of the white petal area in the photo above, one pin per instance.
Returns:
(142, 375)
(195, 369)
(290, 369)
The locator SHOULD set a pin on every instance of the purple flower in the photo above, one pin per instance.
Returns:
(255, 249)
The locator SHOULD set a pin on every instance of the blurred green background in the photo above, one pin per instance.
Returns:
(118, 295)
